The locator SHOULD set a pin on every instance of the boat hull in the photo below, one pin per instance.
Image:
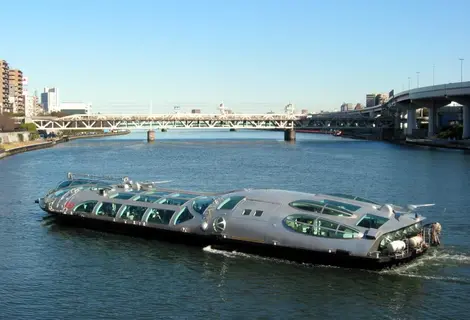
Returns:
(219, 243)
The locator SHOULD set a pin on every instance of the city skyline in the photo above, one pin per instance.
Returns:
(253, 56)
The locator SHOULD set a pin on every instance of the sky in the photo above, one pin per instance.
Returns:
(254, 56)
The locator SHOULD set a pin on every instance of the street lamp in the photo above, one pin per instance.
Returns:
(433, 67)
(417, 79)
(461, 69)
(409, 83)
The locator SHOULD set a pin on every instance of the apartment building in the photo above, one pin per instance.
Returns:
(17, 100)
(4, 87)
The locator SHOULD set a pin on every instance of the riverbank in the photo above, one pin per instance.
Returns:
(19, 147)
(439, 143)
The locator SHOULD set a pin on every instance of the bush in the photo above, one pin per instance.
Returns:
(20, 137)
(30, 127)
(34, 136)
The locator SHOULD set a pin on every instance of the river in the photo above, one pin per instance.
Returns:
(53, 272)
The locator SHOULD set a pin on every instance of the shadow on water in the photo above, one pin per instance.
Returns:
(426, 267)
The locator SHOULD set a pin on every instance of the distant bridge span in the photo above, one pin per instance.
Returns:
(165, 121)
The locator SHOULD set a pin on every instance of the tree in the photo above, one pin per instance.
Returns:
(6, 123)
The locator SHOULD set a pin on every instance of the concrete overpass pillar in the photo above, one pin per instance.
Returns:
(432, 121)
(466, 121)
(411, 121)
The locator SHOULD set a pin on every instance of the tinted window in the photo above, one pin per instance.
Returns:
(160, 216)
(200, 204)
(183, 216)
(134, 213)
(147, 198)
(342, 205)
(372, 221)
(123, 196)
(173, 201)
(86, 207)
(108, 209)
(319, 227)
(307, 205)
(230, 203)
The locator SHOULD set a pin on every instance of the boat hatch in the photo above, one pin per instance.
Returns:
(348, 196)
(320, 207)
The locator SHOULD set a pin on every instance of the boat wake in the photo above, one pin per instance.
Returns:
(414, 269)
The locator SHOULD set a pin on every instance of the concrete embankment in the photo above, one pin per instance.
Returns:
(47, 144)
(439, 143)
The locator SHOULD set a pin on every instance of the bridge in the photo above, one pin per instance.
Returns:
(402, 108)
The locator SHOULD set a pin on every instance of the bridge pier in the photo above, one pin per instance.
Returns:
(289, 135)
(150, 135)
(411, 121)
(466, 121)
(432, 121)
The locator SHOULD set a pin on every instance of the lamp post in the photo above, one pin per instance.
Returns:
(417, 79)
(461, 69)
(409, 83)
(433, 67)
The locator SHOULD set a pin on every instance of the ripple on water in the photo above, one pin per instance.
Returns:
(55, 272)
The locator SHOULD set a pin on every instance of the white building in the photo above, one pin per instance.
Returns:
(70, 108)
(50, 100)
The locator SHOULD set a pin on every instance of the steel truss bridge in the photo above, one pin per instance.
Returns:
(164, 121)
(212, 121)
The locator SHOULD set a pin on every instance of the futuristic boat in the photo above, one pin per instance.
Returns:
(329, 229)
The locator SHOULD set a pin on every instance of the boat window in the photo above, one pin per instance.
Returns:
(258, 213)
(183, 216)
(308, 205)
(160, 216)
(123, 196)
(200, 204)
(64, 184)
(335, 211)
(159, 193)
(341, 205)
(134, 213)
(230, 203)
(372, 221)
(108, 209)
(319, 227)
(86, 207)
(173, 201)
(348, 196)
(184, 195)
(147, 198)
(246, 212)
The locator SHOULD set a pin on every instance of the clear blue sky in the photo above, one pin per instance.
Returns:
(253, 55)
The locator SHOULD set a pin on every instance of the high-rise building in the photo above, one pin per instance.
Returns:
(50, 100)
(4, 87)
(15, 81)
(346, 107)
(370, 100)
